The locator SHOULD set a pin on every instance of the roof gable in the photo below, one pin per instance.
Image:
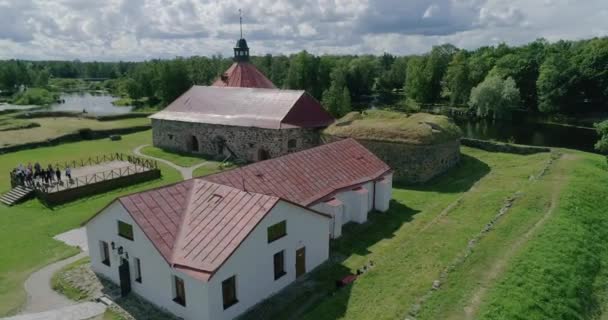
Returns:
(308, 176)
(250, 107)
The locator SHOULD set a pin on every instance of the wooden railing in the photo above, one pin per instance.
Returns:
(137, 165)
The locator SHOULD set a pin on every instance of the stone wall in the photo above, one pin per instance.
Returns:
(247, 143)
(492, 146)
(414, 163)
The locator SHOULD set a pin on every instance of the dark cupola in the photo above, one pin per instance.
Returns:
(241, 51)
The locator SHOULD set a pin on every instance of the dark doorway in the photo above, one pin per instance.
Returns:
(263, 154)
(300, 262)
(125, 277)
(193, 144)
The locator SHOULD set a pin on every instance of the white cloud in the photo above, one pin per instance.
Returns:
(144, 29)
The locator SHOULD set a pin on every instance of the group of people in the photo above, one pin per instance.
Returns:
(33, 176)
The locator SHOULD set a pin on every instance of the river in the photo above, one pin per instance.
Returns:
(91, 102)
(530, 133)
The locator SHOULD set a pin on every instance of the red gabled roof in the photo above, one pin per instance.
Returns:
(245, 75)
(308, 176)
(196, 225)
(248, 107)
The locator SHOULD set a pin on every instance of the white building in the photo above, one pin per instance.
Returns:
(213, 247)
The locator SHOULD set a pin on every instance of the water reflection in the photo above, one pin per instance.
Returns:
(91, 102)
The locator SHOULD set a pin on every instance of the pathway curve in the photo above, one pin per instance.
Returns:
(186, 172)
(40, 295)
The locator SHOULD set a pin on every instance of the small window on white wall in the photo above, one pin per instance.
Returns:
(180, 290)
(137, 264)
(105, 253)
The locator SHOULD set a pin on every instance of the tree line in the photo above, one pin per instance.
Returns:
(561, 77)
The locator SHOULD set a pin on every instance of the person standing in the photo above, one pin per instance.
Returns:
(58, 174)
(68, 173)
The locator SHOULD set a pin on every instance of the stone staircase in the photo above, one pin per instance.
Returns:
(16, 195)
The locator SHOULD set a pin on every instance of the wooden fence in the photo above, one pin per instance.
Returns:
(137, 165)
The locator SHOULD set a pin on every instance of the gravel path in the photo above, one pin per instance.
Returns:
(40, 295)
(186, 172)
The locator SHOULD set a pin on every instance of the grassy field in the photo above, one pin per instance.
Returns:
(26, 230)
(179, 158)
(544, 258)
(54, 127)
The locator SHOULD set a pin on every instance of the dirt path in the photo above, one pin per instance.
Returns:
(186, 172)
(489, 278)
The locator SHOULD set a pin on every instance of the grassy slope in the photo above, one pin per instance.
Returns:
(411, 244)
(418, 128)
(62, 286)
(26, 230)
(54, 127)
(562, 273)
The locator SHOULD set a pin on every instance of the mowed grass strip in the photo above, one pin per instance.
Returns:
(410, 245)
(55, 127)
(181, 159)
(562, 274)
(26, 230)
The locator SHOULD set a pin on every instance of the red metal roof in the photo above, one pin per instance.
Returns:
(245, 75)
(196, 225)
(249, 107)
(308, 176)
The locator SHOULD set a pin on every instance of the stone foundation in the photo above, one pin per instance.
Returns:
(414, 163)
(246, 143)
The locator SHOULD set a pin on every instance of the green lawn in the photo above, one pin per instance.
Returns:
(26, 230)
(181, 159)
(54, 127)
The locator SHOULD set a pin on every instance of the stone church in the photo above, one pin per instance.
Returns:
(241, 116)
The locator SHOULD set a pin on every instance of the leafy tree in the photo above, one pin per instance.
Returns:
(337, 99)
(457, 83)
(435, 69)
(172, 81)
(554, 83)
(417, 85)
(362, 73)
(602, 131)
(302, 72)
(394, 77)
(495, 97)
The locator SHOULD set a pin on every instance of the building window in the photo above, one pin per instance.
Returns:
(277, 231)
(137, 263)
(292, 144)
(229, 292)
(125, 230)
(170, 136)
(105, 253)
(279, 264)
(180, 291)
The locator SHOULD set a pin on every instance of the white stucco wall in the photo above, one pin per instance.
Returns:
(253, 264)
(356, 204)
(384, 193)
(334, 208)
(157, 276)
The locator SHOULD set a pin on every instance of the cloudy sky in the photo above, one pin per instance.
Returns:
(112, 30)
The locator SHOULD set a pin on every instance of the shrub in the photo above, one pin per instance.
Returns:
(35, 96)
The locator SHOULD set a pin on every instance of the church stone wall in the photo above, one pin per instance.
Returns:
(414, 163)
(248, 143)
